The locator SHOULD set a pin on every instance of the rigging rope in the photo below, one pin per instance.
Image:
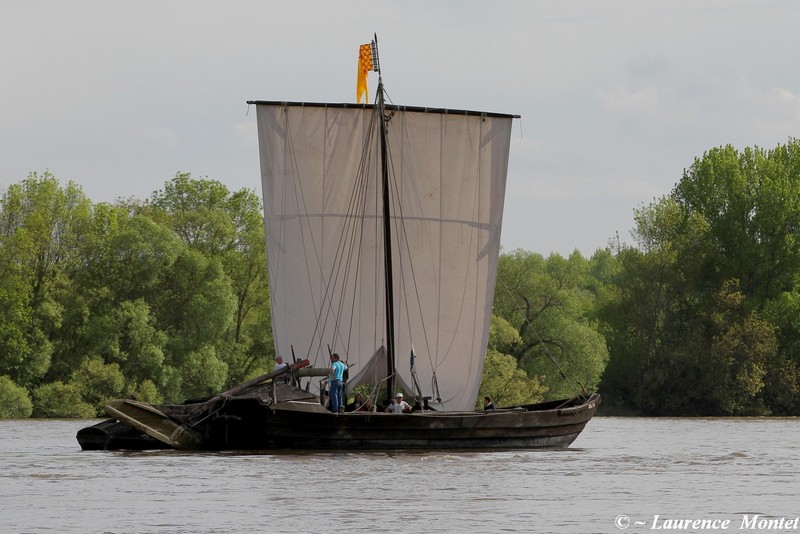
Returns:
(400, 231)
(542, 343)
(341, 268)
(332, 308)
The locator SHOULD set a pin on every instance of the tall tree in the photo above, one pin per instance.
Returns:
(227, 229)
(125, 259)
(40, 225)
(549, 302)
(694, 320)
(750, 201)
(503, 381)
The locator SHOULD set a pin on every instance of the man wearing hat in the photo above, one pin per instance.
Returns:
(399, 405)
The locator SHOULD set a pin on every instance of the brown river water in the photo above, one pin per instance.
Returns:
(620, 475)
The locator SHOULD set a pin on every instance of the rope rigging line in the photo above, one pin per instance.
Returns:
(302, 207)
(211, 412)
(472, 237)
(350, 236)
(404, 245)
(364, 165)
(336, 276)
(345, 267)
(543, 344)
(299, 202)
(400, 231)
(332, 226)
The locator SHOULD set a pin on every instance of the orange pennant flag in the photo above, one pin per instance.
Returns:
(364, 66)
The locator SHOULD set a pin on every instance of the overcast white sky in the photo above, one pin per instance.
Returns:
(616, 97)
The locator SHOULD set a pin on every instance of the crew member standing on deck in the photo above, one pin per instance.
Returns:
(399, 405)
(336, 379)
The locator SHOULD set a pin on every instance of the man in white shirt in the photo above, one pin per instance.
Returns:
(399, 405)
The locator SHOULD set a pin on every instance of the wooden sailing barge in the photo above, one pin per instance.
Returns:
(383, 234)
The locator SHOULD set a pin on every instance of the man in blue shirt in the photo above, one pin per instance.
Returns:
(336, 380)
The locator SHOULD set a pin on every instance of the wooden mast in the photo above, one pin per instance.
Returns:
(387, 231)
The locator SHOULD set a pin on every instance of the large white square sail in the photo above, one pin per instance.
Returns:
(320, 171)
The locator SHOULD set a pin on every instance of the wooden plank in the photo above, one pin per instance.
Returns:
(155, 424)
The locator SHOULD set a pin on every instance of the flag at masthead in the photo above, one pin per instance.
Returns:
(367, 61)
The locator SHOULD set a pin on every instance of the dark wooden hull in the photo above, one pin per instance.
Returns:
(249, 423)
(381, 431)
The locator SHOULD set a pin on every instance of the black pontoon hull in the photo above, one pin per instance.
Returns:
(114, 435)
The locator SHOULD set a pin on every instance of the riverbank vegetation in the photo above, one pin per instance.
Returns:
(167, 298)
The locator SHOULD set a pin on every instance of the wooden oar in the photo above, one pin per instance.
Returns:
(255, 381)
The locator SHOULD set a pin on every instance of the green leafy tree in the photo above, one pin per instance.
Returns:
(226, 228)
(549, 302)
(196, 309)
(204, 373)
(750, 201)
(246, 265)
(503, 336)
(147, 391)
(57, 399)
(506, 384)
(15, 403)
(125, 264)
(196, 211)
(40, 224)
(98, 383)
(693, 322)
(650, 318)
(782, 383)
(167, 297)
(138, 344)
